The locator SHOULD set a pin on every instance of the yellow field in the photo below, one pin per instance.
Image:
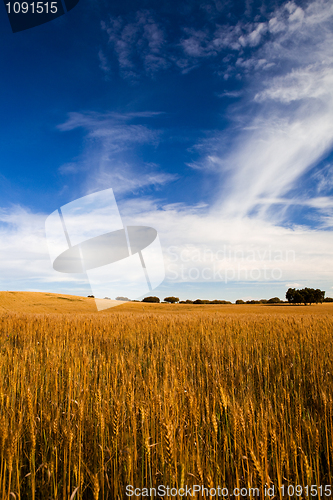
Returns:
(37, 302)
(174, 395)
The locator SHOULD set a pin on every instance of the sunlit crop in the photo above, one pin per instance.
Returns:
(92, 403)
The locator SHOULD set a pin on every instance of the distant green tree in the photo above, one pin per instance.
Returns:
(305, 296)
(274, 300)
(309, 295)
(298, 297)
(240, 301)
(150, 299)
(171, 300)
(217, 301)
(293, 296)
(319, 296)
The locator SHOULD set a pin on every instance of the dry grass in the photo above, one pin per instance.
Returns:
(93, 402)
(37, 302)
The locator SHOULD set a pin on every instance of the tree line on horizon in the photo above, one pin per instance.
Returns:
(293, 296)
(175, 300)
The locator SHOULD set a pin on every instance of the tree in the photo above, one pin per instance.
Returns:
(290, 294)
(294, 296)
(305, 296)
(150, 299)
(319, 295)
(217, 301)
(274, 300)
(308, 295)
(298, 297)
(171, 300)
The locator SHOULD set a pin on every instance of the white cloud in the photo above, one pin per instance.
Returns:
(141, 45)
(269, 159)
(103, 62)
(197, 43)
(141, 38)
(199, 238)
(253, 38)
(200, 246)
(322, 202)
(290, 129)
(127, 181)
(93, 121)
(69, 168)
(312, 82)
(24, 255)
(231, 93)
(323, 179)
(113, 130)
(111, 139)
(275, 25)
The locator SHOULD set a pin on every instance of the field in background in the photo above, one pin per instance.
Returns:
(229, 396)
(38, 302)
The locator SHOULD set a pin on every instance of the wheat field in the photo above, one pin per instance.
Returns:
(93, 402)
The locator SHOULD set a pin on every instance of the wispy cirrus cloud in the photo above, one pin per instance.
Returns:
(93, 119)
(138, 42)
(114, 131)
(142, 44)
(111, 141)
(103, 62)
(284, 124)
(312, 82)
(126, 180)
(230, 93)
(322, 180)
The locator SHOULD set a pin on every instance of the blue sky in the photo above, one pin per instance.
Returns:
(212, 121)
